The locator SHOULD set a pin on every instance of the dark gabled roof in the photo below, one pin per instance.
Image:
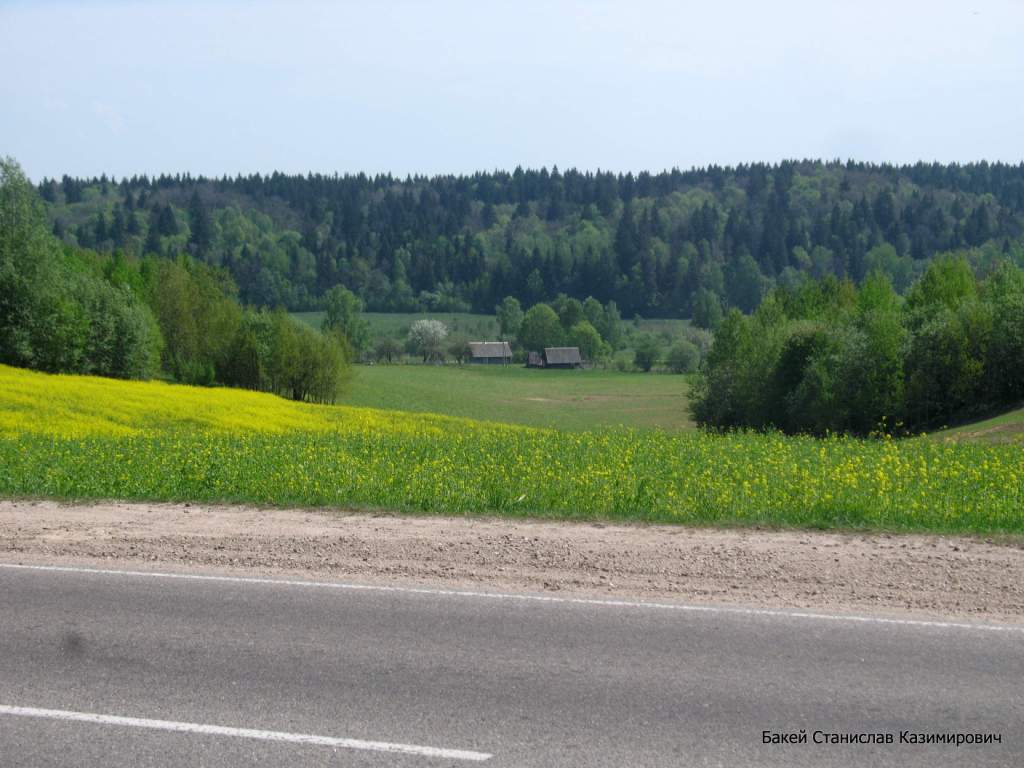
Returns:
(490, 349)
(562, 355)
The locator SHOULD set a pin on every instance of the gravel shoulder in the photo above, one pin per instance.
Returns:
(937, 576)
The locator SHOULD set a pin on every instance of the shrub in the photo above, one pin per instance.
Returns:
(647, 352)
(683, 357)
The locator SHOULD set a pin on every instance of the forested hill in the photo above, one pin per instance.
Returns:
(679, 243)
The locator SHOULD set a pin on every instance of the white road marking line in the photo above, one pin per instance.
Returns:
(683, 607)
(245, 733)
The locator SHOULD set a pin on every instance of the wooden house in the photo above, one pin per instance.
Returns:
(562, 357)
(490, 352)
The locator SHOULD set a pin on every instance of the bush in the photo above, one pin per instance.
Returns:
(387, 350)
(458, 349)
(624, 365)
(647, 352)
(683, 357)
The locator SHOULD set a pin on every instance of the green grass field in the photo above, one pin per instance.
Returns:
(570, 400)
(1005, 428)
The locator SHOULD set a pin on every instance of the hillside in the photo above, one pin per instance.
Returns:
(674, 244)
(1005, 428)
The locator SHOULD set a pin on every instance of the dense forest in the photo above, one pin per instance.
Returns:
(829, 356)
(65, 309)
(674, 244)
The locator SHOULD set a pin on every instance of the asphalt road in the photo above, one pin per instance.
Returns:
(487, 681)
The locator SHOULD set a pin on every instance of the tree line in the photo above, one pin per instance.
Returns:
(829, 356)
(71, 310)
(675, 244)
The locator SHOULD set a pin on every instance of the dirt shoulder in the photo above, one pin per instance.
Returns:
(925, 575)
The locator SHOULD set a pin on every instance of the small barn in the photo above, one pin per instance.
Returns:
(562, 357)
(490, 352)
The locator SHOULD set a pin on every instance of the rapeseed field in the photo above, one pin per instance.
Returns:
(83, 437)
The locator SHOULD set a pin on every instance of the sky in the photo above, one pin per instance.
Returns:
(226, 87)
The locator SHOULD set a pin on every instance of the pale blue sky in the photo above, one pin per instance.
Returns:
(449, 87)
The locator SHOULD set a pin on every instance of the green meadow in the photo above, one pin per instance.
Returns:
(570, 400)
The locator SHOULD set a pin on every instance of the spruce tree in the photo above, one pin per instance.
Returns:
(201, 239)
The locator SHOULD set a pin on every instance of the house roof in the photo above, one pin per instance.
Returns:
(562, 355)
(490, 349)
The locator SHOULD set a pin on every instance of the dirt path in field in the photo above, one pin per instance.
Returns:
(927, 575)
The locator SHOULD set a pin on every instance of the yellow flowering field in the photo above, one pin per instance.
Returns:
(83, 437)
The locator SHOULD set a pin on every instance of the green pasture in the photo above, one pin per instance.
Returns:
(1004, 428)
(571, 400)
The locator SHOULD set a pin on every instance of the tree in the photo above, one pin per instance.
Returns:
(946, 284)
(946, 362)
(510, 316)
(152, 244)
(198, 317)
(344, 315)
(535, 289)
(42, 325)
(586, 337)
(458, 349)
(426, 338)
(57, 312)
(594, 313)
(326, 368)
(48, 190)
(1004, 291)
(201, 225)
(884, 258)
(611, 329)
(118, 226)
(301, 363)
(31, 304)
(647, 352)
(745, 284)
(166, 223)
(872, 360)
(569, 311)
(803, 390)
(683, 357)
(247, 358)
(99, 228)
(721, 397)
(540, 328)
(707, 309)
(387, 350)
